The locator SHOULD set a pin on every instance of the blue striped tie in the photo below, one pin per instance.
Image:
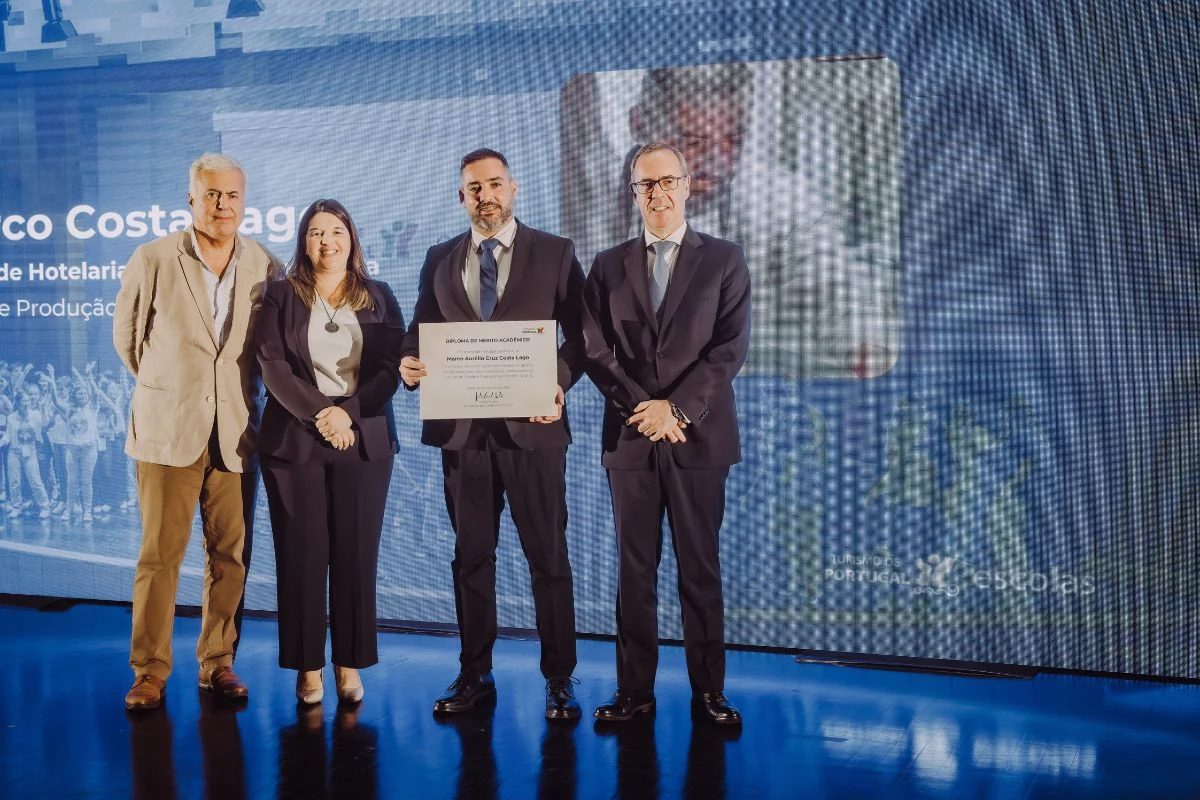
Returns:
(487, 278)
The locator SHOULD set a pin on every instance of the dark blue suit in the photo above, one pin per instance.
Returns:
(687, 353)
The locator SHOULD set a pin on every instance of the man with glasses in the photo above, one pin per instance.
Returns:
(666, 328)
(768, 172)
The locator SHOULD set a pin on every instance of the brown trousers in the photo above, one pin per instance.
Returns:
(168, 497)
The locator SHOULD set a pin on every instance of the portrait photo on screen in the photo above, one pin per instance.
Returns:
(797, 161)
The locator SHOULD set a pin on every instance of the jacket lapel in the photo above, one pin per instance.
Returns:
(686, 265)
(448, 283)
(518, 270)
(367, 319)
(299, 318)
(193, 274)
(638, 278)
(243, 285)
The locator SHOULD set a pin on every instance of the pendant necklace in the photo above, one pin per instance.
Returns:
(331, 326)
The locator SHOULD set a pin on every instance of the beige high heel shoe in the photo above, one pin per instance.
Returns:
(310, 688)
(349, 685)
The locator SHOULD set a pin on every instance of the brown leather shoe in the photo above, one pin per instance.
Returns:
(224, 681)
(147, 693)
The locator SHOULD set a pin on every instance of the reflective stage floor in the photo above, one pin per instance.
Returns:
(811, 731)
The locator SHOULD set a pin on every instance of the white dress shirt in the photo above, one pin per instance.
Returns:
(672, 255)
(220, 290)
(503, 254)
(335, 356)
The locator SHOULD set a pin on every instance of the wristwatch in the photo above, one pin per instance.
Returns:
(679, 415)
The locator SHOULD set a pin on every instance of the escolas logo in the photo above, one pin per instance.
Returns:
(949, 576)
(932, 574)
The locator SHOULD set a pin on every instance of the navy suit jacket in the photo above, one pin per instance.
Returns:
(545, 281)
(688, 354)
(288, 429)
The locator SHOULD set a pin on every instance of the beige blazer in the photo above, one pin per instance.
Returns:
(164, 332)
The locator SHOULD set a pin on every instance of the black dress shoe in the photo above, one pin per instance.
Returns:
(560, 699)
(468, 689)
(624, 706)
(718, 708)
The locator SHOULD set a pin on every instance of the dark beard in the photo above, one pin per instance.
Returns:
(482, 224)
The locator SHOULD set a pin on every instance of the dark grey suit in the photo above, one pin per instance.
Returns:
(485, 460)
(688, 353)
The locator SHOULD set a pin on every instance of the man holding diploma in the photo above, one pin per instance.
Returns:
(501, 270)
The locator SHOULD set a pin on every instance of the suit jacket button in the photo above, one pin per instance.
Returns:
(659, 354)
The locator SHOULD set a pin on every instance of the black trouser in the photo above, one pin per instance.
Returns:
(326, 521)
(476, 480)
(694, 502)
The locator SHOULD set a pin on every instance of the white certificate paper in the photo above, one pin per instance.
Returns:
(489, 369)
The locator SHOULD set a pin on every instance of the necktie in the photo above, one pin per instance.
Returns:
(661, 272)
(487, 278)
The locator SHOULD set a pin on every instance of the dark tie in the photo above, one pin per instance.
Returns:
(661, 273)
(487, 278)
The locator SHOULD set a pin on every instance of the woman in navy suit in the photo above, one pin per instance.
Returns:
(328, 340)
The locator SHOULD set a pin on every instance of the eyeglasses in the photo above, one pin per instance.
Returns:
(667, 183)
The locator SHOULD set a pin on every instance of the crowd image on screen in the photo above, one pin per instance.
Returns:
(62, 434)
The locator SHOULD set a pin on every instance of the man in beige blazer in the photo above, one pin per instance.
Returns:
(184, 314)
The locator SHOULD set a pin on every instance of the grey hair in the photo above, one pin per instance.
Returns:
(653, 147)
(211, 162)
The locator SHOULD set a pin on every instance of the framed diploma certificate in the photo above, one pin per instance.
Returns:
(489, 369)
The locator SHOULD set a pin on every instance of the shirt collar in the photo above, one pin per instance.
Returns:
(676, 237)
(505, 235)
(237, 247)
